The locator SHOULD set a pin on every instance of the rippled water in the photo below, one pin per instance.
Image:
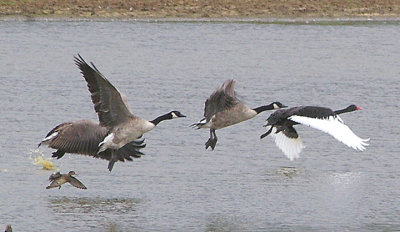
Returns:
(246, 184)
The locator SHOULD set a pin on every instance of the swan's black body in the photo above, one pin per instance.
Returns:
(280, 118)
(322, 118)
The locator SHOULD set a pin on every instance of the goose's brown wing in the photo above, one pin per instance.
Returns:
(108, 102)
(81, 137)
(76, 183)
(221, 99)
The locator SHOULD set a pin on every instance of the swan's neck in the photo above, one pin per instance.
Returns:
(345, 110)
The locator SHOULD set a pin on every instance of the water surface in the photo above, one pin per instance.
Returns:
(245, 184)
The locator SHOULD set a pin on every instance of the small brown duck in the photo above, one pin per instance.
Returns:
(8, 228)
(57, 179)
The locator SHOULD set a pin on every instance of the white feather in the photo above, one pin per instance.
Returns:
(334, 126)
(106, 143)
(50, 137)
(289, 146)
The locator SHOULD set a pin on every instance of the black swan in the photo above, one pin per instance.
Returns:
(282, 121)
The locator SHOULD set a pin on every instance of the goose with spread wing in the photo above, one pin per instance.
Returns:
(286, 138)
(224, 109)
(117, 136)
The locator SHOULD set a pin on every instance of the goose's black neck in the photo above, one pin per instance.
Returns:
(161, 118)
(264, 108)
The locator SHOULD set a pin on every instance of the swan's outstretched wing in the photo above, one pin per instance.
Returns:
(288, 142)
(334, 126)
(223, 98)
(109, 104)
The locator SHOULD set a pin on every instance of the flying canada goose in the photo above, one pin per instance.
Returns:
(117, 136)
(57, 179)
(224, 109)
(321, 118)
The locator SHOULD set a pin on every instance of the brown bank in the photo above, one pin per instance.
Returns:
(200, 8)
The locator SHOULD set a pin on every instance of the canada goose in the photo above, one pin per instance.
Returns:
(83, 137)
(57, 179)
(321, 118)
(117, 136)
(223, 109)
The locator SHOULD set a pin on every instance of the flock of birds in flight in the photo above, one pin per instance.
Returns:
(118, 136)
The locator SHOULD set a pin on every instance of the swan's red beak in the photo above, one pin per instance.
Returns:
(358, 108)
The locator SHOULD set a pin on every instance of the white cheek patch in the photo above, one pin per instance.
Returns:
(174, 115)
(334, 126)
(276, 106)
(50, 137)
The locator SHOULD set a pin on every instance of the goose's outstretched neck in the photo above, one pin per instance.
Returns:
(264, 108)
(272, 106)
(167, 116)
(161, 118)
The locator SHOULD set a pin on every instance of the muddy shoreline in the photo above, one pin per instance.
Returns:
(202, 9)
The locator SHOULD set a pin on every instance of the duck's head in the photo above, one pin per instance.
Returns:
(71, 173)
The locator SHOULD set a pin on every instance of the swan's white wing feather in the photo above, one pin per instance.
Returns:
(289, 146)
(334, 126)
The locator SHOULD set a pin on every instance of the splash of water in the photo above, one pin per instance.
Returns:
(38, 159)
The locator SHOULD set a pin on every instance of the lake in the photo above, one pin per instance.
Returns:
(245, 184)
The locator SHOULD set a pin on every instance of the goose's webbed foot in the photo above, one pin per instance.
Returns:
(211, 143)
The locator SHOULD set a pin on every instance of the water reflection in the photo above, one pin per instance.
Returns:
(344, 179)
(104, 214)
(76, 205)
(285, 173)
(289, 172)
(222, 223)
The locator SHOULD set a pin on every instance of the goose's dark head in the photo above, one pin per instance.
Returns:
(278, 105)
(171, 115)
(272, 106)
(176, 114)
